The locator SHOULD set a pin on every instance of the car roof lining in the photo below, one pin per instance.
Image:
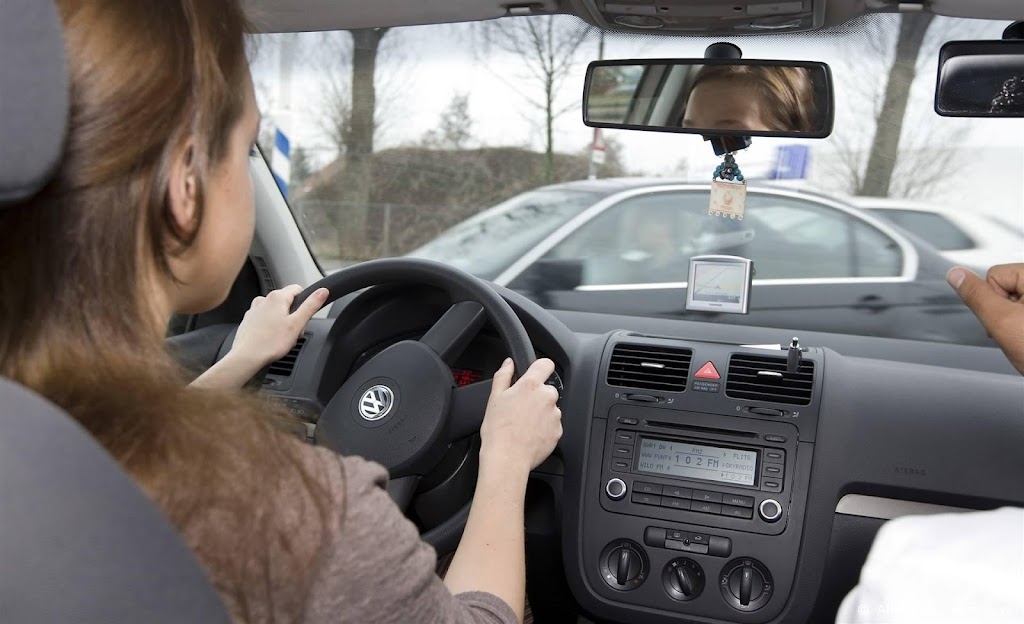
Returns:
(317, 15)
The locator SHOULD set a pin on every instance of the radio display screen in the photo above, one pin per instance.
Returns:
(698, 461)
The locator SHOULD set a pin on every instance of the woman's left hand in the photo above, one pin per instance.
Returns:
(267, 332)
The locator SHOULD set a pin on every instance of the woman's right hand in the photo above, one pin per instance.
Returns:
(523, 422)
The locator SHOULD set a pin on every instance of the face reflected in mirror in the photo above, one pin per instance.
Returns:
(785, 98)
(754, 98)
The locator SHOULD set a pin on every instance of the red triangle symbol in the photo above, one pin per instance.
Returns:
(708, 371)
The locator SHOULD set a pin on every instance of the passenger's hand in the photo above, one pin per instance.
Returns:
(998, 302)
(523, 422)
(269, 329)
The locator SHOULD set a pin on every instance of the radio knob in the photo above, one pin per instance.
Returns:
(615, 489)
(770, 510)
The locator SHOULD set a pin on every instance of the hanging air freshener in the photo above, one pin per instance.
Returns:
(728, 190)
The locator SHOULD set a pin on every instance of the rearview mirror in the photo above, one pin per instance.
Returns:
(981, 79)
(712, 97)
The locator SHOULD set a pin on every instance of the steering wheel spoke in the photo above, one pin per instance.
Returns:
(453, 332)
(467, 411)
(402, 490)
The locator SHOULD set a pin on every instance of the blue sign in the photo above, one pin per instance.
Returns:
(280, 161)
(791, 162)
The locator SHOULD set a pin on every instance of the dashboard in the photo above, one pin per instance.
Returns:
(712, 473)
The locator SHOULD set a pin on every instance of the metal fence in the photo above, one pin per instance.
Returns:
(340, 233)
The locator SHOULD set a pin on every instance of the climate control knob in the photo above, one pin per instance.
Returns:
(683, 579)
(624, 565)
(615, 489)
(746, 584)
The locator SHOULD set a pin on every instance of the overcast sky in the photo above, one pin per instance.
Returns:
(424, 67)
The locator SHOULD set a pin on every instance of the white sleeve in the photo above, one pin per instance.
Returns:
(948, 568)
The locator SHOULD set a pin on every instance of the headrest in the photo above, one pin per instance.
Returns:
(33, 96)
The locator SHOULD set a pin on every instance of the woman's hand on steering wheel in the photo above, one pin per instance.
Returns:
(522, 424)
(267, 332)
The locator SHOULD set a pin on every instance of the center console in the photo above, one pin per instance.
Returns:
(697, 471)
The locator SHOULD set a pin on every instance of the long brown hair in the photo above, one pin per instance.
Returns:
(76, 324)
(786, 94)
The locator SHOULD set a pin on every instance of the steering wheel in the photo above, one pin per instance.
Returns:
(401, 408)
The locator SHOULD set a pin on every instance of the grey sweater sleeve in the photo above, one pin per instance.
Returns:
(377, 569)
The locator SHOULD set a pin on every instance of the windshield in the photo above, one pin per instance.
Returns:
(464, 143)
(488, 243)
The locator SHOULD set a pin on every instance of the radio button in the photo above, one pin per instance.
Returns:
(655, 537)
(625, 437)
(720, 546)
(645, 499)
(646, 488)
(738, 512)
(708, 508)
(772, 456)
(615, 489)
(738, 501)
(772, 470)
(770, 510)
(707, 497)
(675, 503)
(620, 466)
(769, 485)
(772, 437)
(628, 421)
(677, 492)
(622, 451)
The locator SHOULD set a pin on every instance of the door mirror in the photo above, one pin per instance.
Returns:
(981, 79)
(711, 97)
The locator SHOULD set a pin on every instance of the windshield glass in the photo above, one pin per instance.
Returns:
(464, 143)
(490, 242)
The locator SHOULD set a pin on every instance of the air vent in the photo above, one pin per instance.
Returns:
(763, 378)
(649, 367)
(284, 366)
(266, 279)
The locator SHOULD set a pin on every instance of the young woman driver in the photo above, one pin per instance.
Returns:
(151, 213)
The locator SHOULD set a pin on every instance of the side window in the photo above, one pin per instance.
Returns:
(936, 229)
(649, 239)
(877, 255)
(799, 239)
(645, 239)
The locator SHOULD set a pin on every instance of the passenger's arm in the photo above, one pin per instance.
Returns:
(267, 332)
(998, 302)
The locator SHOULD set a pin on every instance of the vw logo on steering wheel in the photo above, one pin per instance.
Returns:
(376, 403)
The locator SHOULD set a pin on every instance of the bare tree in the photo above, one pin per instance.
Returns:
(455, 129)
(547, 47)
(352, 120)
(893, 155)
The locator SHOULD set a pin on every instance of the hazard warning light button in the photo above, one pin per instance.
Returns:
(708, 371)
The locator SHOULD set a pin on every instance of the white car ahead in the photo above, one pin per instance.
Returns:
(972, 240)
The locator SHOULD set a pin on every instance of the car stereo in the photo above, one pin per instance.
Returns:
(713, 476)
(696, 478)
